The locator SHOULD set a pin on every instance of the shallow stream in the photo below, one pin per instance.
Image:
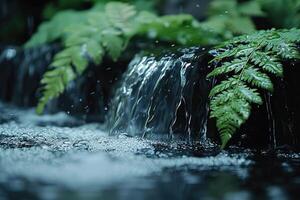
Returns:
(59, 157)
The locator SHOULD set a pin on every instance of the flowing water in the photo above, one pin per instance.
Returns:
(155, 147)
(163, 97)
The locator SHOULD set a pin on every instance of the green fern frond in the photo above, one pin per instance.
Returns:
(120, 15)
(257, 79)
(89, 42)
(226, 84)
(250, 59)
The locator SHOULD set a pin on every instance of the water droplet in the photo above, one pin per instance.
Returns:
(10, 53)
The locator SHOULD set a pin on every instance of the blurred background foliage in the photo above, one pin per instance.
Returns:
(55, 6)
(282, 13)
(224, 18)
(19, 19)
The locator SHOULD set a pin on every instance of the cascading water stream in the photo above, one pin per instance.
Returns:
(160, 96)
(271, 119)
(21, 71)
(163, 97)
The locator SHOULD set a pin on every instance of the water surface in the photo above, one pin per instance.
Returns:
(59, 157)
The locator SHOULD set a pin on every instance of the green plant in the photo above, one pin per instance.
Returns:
(245, 69)
(89, 35)
(231, 18)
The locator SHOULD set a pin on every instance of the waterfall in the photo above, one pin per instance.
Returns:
(160, 96)
(21, 71)
(163, 97)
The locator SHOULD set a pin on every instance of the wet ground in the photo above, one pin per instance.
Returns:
(59, 157)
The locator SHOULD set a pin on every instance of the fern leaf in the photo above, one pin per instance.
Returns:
(225, 85)
(78, 60)
(257, 79)
(54, 82)
(119, 14)
(231, 115)
(56, 79)
(241, 50)
(249, 94)
(220, 99)
(291, 35)
(114, 45)
(248, 63)
(236, 65)
(267, 63)
(95, 51)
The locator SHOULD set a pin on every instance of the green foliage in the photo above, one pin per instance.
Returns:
(282, 13)
(245, 70)
(98, 33)
(230, 18)
(89, 35)
(56, 28)
(182, 29)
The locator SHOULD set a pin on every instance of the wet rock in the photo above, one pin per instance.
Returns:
(7, 141)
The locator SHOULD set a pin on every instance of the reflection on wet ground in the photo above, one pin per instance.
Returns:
(58, 157)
